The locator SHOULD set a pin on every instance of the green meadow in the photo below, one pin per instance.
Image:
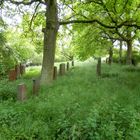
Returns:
(77, 106)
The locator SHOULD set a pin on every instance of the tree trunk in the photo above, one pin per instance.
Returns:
(129, 47)
(129, 52)
(110, 55)
(120, 53)
(50, 34)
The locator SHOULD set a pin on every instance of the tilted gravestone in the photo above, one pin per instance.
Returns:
(68, 66)
(21, 92)
(55, 73)
(12, 75)
(22, 69)
(36, 86)
(98, 69)
(17, 69)
(62, 69)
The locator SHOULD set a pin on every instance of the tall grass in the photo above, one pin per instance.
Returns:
(78, 106)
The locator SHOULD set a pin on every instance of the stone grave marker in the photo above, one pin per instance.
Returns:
(17, 69)
(21, 92)
(62, 69)
(68, 66)
(98, 70)
(36, 86)
(12, 75)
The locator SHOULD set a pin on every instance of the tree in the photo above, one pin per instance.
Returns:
(50, 33)
(122, 16)
(111, 15)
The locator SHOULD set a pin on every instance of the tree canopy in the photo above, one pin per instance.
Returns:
(94, 25)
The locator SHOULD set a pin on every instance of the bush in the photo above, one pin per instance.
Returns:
(7, 91)
(5, 66)
(135, 59)
(36, 59)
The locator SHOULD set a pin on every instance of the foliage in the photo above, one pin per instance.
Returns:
(33, 30)
(110, 13)
(135, 57)
(17, 49)
(88, 42)
(78, 107)
(32, 72)
(21, 46)
(8, 89)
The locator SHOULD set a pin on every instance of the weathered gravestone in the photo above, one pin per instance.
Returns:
(55, 73)
(22, 69)
(62, 69)
(17, 69)
(36, 86)
(21, 92)
(68, 66)
(98, 69)
(12, 75)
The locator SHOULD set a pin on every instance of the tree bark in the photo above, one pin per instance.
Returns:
(50, 35)
(120, 53)
(110, 55)
(129, 52)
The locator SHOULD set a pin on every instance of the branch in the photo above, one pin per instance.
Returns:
(107, 36)
(22, 2)
(121, 35)
(124, 23)
(34, 15)
(108, 12)
(69, 57)
(103, 5)
(25, 3)
(85, 21)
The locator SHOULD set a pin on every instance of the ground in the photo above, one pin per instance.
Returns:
(77, 106)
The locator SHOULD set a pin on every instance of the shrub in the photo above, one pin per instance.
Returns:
(7, 91)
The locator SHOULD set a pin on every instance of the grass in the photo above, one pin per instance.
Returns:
(78, 106)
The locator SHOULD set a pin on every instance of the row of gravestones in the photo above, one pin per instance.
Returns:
(22, 90)
(16, 72)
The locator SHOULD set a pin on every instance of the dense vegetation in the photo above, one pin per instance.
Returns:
(91, 101)
(76, 107)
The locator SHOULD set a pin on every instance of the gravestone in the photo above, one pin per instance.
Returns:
(98, 70)
(68, 66)
(22, 69)
(21, 92)
(17, 69)
(12, 75)
(36, 86)
(72, 63)
(62, 69)
(55, 73)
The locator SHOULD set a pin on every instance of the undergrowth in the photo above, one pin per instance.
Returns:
(77, 106)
